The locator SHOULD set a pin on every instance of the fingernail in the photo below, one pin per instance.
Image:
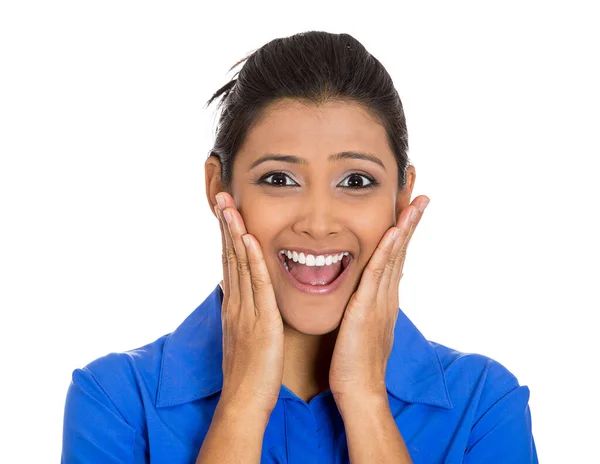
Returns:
(246, 241)
(395, 233)
(424, 204)
(227, 215)
(221, 200)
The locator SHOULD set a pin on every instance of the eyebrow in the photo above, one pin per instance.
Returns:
(298, 160)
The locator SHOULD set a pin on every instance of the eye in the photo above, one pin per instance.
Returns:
(355, 181)
(279, 179)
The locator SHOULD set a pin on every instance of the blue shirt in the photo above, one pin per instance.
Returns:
(155, 404)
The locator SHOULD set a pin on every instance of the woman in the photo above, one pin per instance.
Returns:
(301, 353)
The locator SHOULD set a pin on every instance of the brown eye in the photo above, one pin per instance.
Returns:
(278, 180)
(356, 181)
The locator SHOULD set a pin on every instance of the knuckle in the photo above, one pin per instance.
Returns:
(228, 255)
(402, 253)
(259, 284)
(243, 267)
(389, 266)
(377, 275)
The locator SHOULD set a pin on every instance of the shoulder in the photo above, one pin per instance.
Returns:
(477, 381)
(107, 403)
(143, 361)
(494, 406)
(472, 364)
(126, 382)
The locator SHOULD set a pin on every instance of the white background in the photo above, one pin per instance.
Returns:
(107, 242)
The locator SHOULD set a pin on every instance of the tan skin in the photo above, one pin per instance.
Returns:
(273, 333)
(307, 342)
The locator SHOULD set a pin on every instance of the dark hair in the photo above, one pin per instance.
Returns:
(312, 67)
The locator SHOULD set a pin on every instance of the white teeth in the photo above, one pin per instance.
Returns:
(311, 260)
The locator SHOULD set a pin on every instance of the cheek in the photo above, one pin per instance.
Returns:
(370, 224)
(262, 224)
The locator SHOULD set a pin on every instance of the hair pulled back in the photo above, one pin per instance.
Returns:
(312, 67)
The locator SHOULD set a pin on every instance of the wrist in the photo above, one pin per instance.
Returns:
(242, 412)
(361, 403)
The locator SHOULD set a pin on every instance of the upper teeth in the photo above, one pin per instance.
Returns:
(310, 260)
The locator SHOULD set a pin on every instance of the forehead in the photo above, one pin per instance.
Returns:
(293, 127)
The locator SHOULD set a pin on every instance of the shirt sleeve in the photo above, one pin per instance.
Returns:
(93, 429)
(503, 433)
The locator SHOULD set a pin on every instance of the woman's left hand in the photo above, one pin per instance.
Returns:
(366, 333)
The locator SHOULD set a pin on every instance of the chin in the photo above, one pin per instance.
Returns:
(312, 320)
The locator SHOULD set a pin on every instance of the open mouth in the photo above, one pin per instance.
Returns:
(317, 278)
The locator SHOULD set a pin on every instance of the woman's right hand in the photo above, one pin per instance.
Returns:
(252, 324)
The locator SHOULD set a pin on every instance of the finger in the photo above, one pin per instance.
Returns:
(228, 259)
(264, 295)
(410, 223)
(232, 263)
(225, 283)
(224, 260)
(383, 292)
(374, 273)
(237, 229)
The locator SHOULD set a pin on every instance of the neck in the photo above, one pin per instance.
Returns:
(306, 362)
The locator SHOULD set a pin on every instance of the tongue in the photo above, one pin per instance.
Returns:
(315, 275)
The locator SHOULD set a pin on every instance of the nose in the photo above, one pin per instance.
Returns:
(318, 217)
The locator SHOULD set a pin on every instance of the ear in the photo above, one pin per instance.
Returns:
(404, 195)
(212, 176)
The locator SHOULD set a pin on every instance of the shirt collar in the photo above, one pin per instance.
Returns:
(192, 361)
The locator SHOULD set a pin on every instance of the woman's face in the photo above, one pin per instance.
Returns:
(311, 205)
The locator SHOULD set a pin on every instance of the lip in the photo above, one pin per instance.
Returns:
(316, 289)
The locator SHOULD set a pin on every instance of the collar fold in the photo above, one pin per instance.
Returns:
(191, 366)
